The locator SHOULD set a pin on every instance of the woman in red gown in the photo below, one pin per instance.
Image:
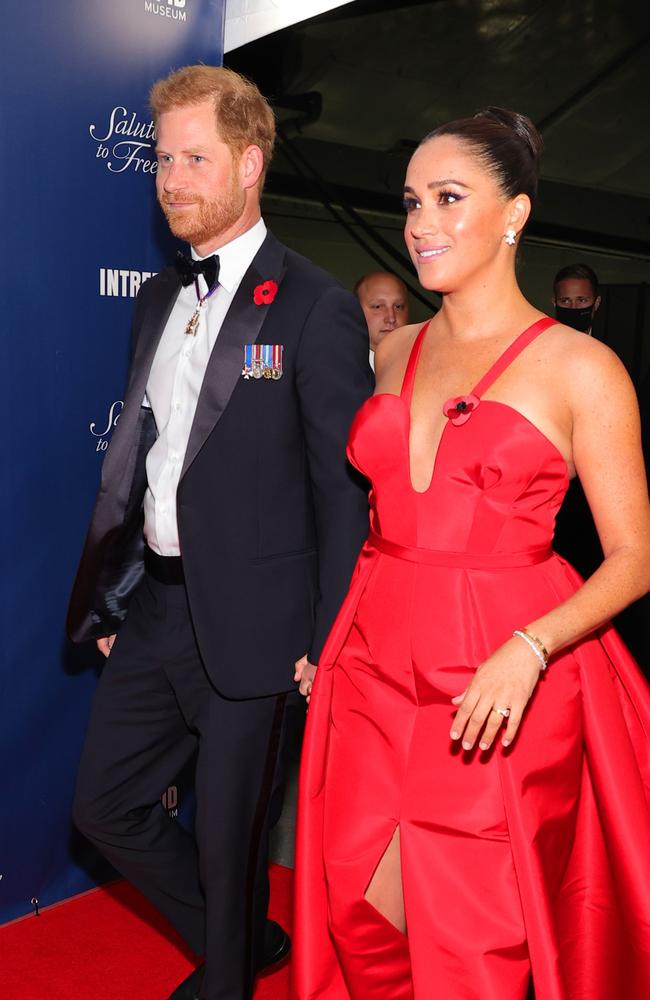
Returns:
(467, 816)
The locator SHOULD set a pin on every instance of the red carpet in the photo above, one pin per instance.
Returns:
(110, 944)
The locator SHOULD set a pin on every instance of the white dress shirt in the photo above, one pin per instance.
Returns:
(175, 382)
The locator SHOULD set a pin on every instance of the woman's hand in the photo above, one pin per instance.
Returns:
(304, 675)
(506, 680)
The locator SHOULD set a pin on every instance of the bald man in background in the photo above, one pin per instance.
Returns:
(384, 300)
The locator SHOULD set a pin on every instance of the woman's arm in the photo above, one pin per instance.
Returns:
(606, 444)
(606, 447)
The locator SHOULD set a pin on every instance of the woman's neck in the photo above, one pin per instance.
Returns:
(483, 310)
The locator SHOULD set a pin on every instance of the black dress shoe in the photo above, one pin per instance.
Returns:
(189, 988)
(277, 945)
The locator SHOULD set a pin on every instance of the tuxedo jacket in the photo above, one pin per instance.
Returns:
(270, 515)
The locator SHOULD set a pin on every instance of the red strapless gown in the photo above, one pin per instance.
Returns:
(536, 857)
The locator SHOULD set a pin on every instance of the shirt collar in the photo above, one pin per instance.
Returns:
(237, 256)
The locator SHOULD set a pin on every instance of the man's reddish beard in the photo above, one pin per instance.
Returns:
(213, 216)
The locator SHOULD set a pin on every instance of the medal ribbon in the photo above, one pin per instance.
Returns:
(262, 360)
(193, 321)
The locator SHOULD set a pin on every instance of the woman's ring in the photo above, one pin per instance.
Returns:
(505, 712)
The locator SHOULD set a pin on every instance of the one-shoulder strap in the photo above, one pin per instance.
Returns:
(409, 375)
(510, 353)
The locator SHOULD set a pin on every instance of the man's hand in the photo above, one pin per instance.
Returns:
(105, 644)
(304, 675)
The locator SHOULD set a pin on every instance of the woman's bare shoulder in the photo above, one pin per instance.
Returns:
(391, 356)
(584, 368)
(581, 355)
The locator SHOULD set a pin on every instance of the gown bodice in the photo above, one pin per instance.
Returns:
(497, 482)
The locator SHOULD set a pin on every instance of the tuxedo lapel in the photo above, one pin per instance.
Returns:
(242, 325)
(153, 325)
(148, 338)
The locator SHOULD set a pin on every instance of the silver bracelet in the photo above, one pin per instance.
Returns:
(533, 645)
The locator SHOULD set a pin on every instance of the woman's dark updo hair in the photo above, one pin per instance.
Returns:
(507, 143)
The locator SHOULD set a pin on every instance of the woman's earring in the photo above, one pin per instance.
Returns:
(510, 237)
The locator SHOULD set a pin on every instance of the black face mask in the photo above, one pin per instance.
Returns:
(578, 319)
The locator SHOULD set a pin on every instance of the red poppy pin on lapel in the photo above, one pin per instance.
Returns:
(264, 294)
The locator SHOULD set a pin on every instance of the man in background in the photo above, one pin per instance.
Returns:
(384, 300)
(575, 296)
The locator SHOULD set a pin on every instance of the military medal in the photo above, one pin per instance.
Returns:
(262, 361)
(276, 371)
(193, 322)
(267, 365)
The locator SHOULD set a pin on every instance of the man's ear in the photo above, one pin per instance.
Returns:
(251, 166)
(596, 304)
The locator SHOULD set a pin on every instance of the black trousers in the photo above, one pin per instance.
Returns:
(154, 708)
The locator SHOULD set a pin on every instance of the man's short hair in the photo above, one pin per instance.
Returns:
(581, 271)
(243, 115)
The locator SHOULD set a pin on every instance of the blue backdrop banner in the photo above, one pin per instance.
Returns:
(81, 233)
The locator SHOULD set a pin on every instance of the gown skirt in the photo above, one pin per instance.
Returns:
(535, 857)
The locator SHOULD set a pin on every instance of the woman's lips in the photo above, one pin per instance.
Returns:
(429, 253)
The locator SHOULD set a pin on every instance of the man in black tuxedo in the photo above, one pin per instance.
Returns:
(224, 534)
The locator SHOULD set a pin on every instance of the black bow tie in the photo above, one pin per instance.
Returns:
(189, 269)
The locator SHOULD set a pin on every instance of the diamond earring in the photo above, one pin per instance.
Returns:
(510, 237)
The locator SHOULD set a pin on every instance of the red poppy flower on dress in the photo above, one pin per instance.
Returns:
(265, 293)
(459, 408)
